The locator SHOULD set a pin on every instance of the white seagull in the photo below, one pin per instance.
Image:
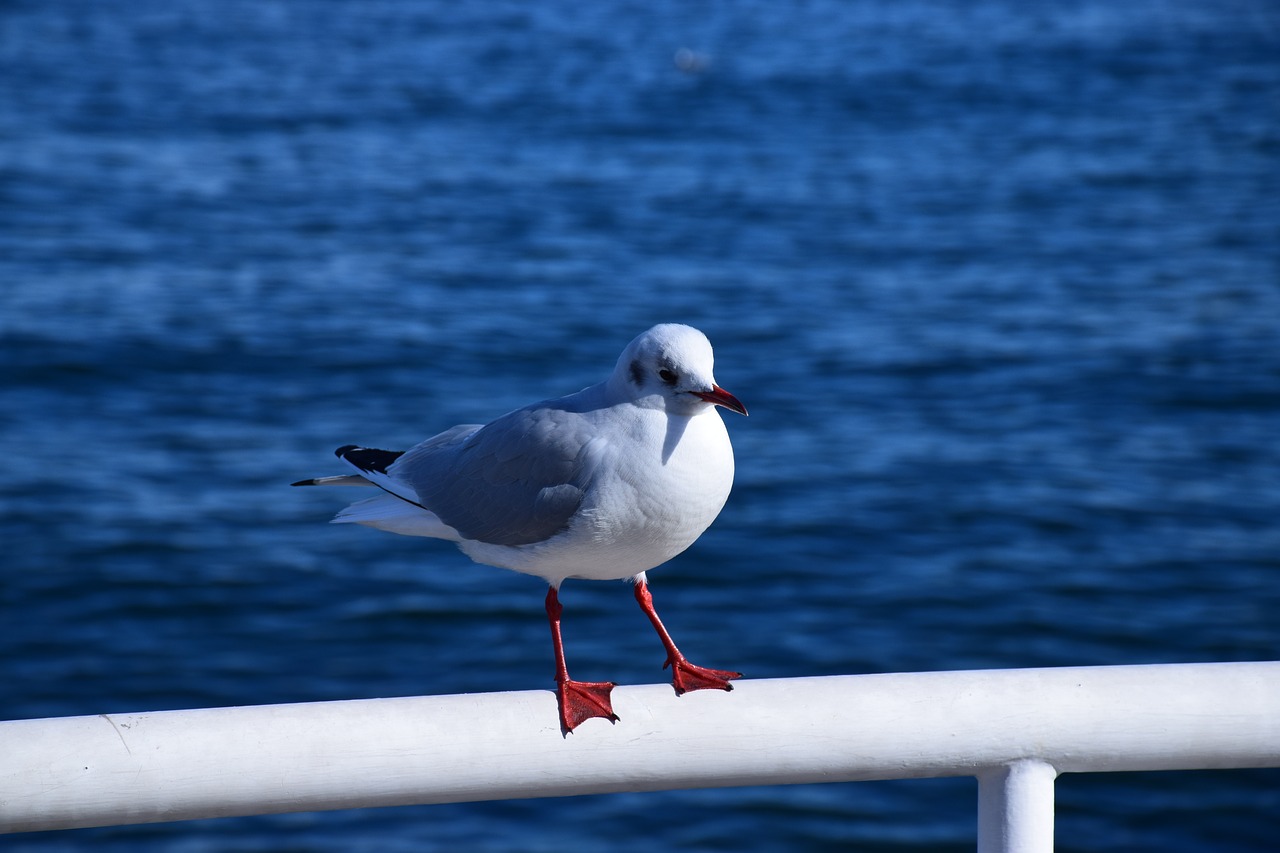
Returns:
(604, 484)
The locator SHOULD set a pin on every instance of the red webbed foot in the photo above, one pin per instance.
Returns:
(581, 700)
(687, 676)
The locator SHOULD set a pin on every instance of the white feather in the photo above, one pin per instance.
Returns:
(390, 513)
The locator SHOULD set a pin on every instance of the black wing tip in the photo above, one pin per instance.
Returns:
(368, 458)
(310, 482)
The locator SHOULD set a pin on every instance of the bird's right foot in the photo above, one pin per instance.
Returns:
(687, 676)
(582, 700)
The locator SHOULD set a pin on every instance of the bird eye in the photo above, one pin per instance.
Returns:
(667, 376)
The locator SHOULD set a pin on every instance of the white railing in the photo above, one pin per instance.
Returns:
(1015, 730)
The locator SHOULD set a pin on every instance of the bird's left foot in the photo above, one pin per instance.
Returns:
(581, 700)
(686, 676)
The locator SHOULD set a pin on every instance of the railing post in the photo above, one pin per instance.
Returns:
(1015, 808)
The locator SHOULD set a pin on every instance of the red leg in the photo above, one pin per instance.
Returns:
(579, 700)
(684, 675)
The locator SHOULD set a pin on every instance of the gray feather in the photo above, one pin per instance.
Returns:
(516, 481)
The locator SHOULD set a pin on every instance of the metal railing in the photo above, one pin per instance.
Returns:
(1015, 730)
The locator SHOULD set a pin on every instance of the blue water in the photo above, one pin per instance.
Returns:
(999, 282)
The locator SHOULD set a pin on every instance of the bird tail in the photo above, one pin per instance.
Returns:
(364, 459)
(396, 510)
(394, 515)
(340, 480)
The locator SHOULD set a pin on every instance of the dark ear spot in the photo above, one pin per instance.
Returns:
(637, 373)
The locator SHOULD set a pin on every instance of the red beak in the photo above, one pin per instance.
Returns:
(721, 397)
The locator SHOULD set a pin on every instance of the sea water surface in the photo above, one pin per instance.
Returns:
(999, 282)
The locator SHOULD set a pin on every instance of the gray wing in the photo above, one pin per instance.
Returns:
(516, 481)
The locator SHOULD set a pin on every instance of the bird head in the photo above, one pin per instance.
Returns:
(670, 367)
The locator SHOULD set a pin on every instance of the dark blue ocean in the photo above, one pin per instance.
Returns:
(998, 280)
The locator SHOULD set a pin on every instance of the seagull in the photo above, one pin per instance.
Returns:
(604, 484)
